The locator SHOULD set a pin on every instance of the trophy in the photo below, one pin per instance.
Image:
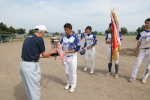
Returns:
(54, 44)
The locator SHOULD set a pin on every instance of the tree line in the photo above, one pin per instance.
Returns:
(123, 30)
(10, 30)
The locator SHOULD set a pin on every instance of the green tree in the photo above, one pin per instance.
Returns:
(108, 31)
(123, 30)
(94, 32)
(140, 29)
(56, 33)
(3, 27)
(31, 31)
(11, 30)
(20, 31)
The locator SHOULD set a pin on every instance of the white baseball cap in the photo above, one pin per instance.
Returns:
(41, 27)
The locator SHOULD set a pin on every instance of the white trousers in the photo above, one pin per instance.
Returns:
(143, 53)
(71, 70)
(31, 74)
(90, 53)
(82, 41)
(109, 56)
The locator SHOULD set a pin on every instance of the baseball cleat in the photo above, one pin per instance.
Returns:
(116, 76)
(72, 90)
(108, 73)
(143, 80)
(131, 79)
(91, 72)
(67, 86)
(85, 69)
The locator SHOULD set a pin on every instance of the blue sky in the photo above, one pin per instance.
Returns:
(80, 13)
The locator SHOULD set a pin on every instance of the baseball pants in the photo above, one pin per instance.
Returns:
(90, 53)
(82, 41)
(30, 74)
(143, 53)
(109, 56)
(71, 69)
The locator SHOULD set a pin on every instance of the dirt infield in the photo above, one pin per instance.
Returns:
(89, 87)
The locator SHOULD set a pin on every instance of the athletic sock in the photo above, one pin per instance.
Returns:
(116, 68)
(109, 67)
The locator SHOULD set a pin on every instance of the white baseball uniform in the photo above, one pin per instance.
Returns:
(108, 38)
(70, 42)
(144, 52)
(83, 39)
(80, 36)
(90, 40)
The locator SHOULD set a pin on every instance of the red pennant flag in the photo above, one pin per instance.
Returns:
(115, 36)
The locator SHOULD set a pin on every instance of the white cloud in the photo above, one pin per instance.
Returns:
(80, 13)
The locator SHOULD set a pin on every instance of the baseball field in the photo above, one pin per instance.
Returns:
(95, 86)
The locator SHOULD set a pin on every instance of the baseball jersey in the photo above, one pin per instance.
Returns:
(75, 35)
(108, 38)
(70, 42)
(144, 37)
(90, 39)
(79, 35)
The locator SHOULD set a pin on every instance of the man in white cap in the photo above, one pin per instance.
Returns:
(33, 48)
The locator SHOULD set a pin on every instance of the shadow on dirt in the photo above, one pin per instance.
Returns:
(127, 51)
(20, 93)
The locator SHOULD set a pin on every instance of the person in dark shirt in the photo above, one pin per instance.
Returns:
(33, 48)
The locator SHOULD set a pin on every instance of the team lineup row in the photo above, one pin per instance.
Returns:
(33, 49)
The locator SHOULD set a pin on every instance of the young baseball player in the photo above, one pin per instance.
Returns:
(74, 33)
(83, 39)
(142, 51)
(80, 36)
(89, 47)
(70, 45)
(108, 41)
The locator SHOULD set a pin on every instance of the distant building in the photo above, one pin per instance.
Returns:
(5, 37)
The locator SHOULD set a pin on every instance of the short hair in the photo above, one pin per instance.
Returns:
(89, 27)
(148, 19)
(36, 30)
(109, 25)
(68, 25)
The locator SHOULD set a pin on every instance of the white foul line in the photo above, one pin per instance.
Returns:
(119, 59)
